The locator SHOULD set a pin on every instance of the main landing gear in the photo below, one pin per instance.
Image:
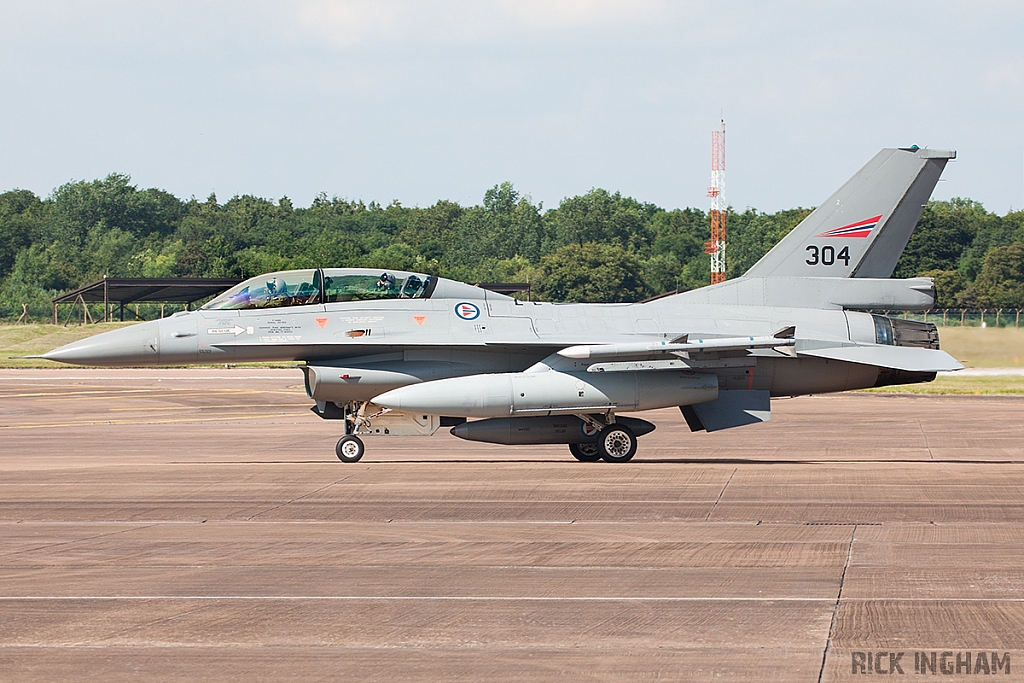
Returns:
(585, 452)
(615, 443)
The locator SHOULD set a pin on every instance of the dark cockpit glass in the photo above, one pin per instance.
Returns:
(273, 290)
(347, 286)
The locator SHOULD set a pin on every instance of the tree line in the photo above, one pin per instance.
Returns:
(599, 246)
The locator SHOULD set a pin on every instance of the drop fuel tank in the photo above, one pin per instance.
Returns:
(552, 393)
(537, 430)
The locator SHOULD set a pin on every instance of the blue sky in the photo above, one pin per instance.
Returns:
(441, 99)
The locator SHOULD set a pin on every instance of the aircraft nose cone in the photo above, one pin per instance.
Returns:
(135, 345)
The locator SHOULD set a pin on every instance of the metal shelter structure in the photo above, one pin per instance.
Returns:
(134, 290)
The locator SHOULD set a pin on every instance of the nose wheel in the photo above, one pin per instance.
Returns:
(350, 448)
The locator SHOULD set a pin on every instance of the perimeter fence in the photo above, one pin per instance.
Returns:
(88, 313)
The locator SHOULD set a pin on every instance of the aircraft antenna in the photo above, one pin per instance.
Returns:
(716, 245)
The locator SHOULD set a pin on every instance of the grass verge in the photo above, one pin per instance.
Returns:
(984, 347)
(33, 339)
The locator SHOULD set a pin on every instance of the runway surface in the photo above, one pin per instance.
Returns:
(195, 524)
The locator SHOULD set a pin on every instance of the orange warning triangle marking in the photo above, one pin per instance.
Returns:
(420, 319)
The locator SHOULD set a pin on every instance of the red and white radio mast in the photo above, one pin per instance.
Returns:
(716, 245)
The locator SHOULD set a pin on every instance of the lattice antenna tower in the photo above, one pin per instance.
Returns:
(716, 245)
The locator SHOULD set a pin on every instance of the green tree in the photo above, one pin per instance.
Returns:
(329, 249)
(24, 285)
(397, 256)
(598, 246)
(599, 216)
(155, 259)
(114, 201)
(22, 214)
(948, 286)
(750, 235)
(1001, 282)
(662, 273)
(696, 273)
(430, 228)
(590, 272)
(93, 226)
(1013, 223)
(506, 226)
(680, 233)
(946, 230)
(108, 251)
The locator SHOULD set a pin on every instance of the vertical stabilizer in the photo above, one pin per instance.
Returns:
(862, 229)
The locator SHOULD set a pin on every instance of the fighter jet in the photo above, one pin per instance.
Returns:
(404, 354)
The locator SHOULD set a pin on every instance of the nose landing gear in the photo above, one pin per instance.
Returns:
(350, 448)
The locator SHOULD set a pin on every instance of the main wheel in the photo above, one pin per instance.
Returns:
(585, 452)
(350, 448)
(617, 443)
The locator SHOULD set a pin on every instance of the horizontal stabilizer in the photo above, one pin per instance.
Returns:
(910, 358)
(731, 409)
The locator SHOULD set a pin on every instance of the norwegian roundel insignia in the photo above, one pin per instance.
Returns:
(589, 429)
(467, 311)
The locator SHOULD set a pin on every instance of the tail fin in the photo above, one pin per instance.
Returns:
(862, 229)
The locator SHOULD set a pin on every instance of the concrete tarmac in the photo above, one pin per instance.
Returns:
(195, 524)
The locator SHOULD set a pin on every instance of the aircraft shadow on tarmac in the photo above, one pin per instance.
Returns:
(644, 461)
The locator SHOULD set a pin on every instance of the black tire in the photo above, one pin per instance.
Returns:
(585, 452)
(350, 448)
(617, 443)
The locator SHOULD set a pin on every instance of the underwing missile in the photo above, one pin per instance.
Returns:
(698, 345)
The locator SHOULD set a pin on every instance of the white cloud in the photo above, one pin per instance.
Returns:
(354, 22)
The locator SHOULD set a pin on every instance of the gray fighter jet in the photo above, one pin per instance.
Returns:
(404, 354)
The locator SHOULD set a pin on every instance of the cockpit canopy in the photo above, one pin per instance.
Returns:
(315, 286)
